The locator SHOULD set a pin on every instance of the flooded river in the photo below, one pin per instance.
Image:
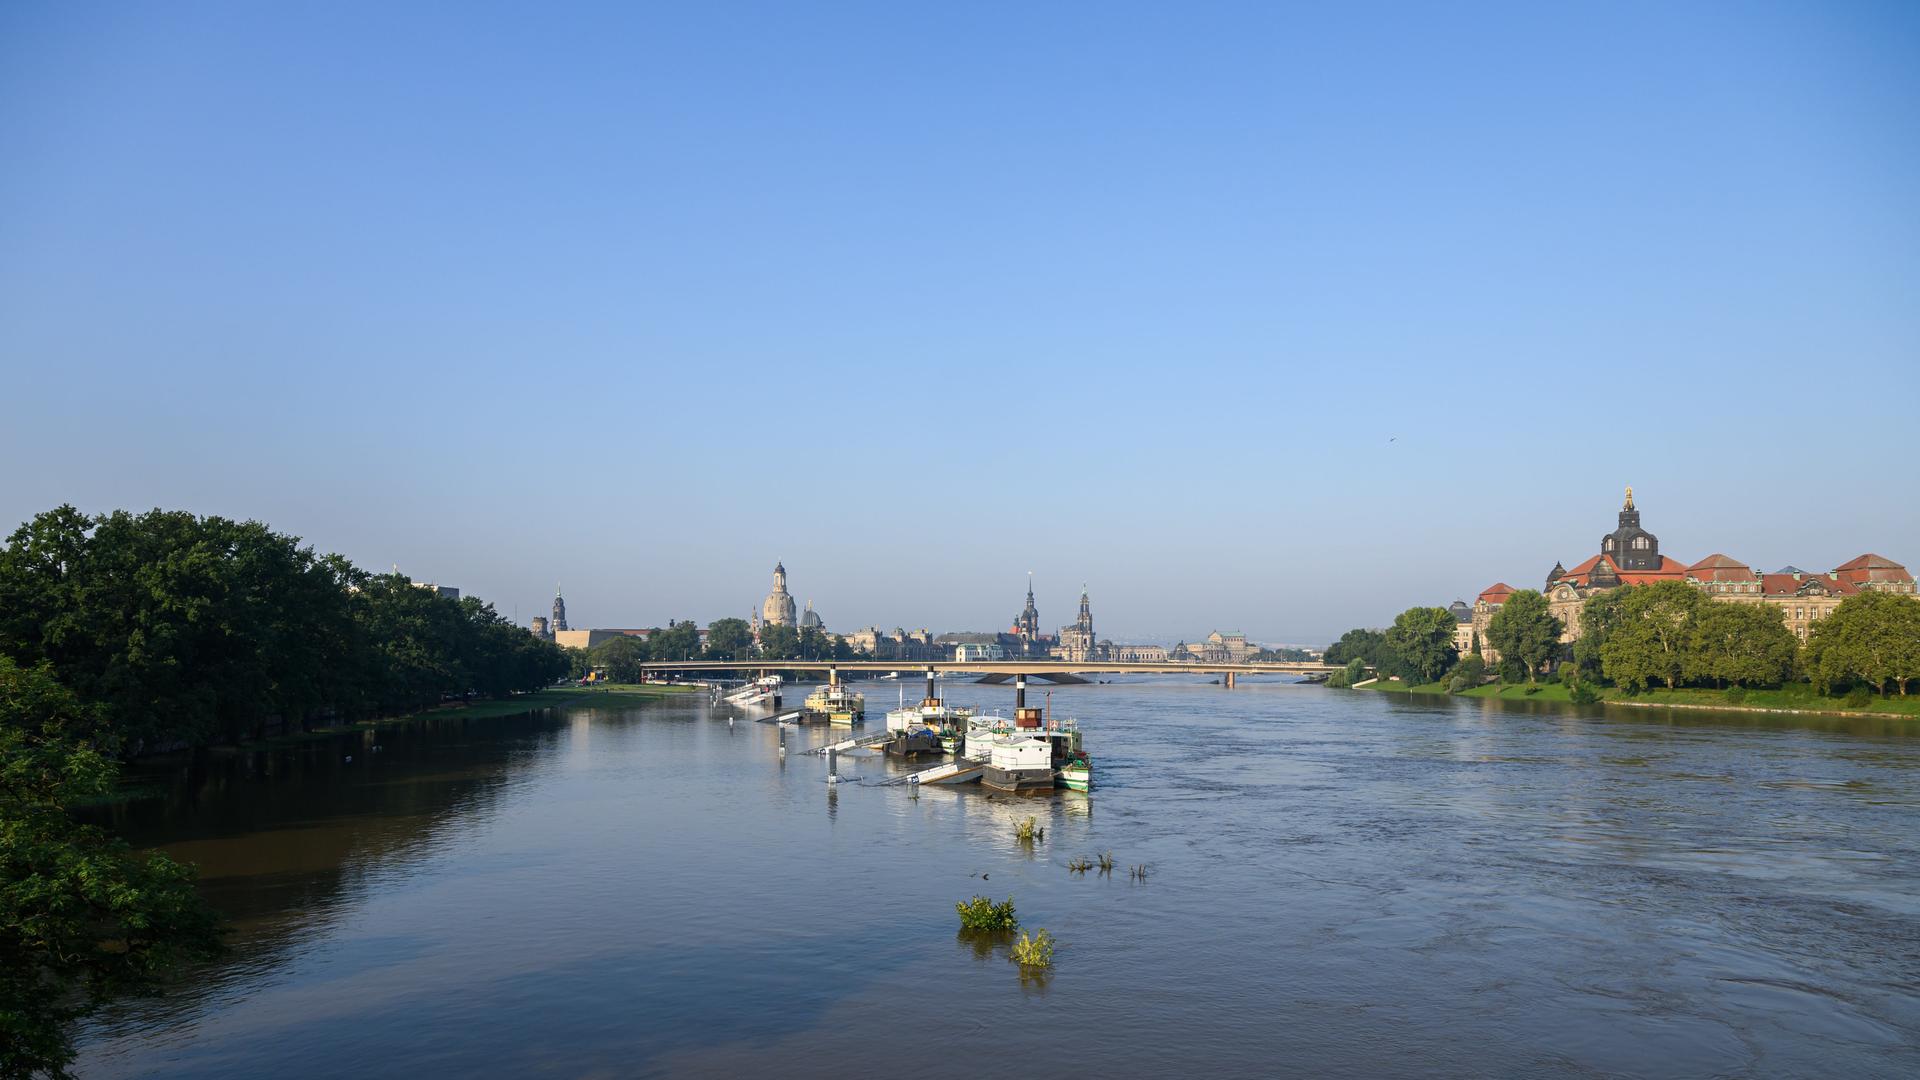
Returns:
(1341, 884)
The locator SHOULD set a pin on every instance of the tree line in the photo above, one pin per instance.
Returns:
(1668, 635)
(188, 631)
(123, 633)
(727, 639)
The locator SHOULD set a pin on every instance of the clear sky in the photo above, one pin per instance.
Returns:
(1253, 316)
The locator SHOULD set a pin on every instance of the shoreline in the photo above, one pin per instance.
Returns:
(1558, 696)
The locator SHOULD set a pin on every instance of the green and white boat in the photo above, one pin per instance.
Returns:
(1076, 774)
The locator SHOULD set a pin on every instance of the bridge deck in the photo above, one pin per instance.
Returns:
(994, 667)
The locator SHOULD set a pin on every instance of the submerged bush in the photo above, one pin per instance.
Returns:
(1035, 951)
(1028, 831)
(981, 913)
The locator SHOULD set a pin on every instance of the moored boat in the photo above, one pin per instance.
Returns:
(836, 705)
(1019, 763)
(1077, 772)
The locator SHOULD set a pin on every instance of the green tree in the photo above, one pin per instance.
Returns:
(1739, 644)
(1466, 674)
(1360, 644)
(621, 658)
(1872, 638)
(779, 643)
(1524, 632)
(82, 919)
(729, 639)
(1422, 638)
(679, 641)
(1653, 635)
(1598, 616)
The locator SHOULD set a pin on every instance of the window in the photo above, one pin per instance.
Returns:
(1639, 543)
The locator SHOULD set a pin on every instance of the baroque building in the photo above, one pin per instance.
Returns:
(1630, 555)
(1078, 643)
(778, 609)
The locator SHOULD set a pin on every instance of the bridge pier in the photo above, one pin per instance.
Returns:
(1231, 677)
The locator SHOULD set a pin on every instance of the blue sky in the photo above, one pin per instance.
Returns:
(1254, 316)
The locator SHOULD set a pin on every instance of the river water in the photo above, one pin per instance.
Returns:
(1340, 883)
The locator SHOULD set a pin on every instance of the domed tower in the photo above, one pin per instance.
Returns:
(559, 612)
(1629, 546)
(778, 609)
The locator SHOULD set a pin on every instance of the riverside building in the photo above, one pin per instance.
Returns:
(1630, 555)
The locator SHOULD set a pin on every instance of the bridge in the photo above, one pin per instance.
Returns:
(833, 668)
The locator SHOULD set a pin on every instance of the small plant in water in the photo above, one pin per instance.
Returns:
(1106, 862)
(1028, 831)
(1138, 873)
(1080, 866)
(981, 913)
(1035, 951)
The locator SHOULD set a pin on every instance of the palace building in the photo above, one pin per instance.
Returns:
(1630, 555)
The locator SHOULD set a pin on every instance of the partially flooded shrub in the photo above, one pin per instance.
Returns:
(1034, 951)
(981, 913)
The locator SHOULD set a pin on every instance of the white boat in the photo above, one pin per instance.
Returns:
(761, 692)
(1019, 763)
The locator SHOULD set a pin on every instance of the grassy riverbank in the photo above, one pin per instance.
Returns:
(1788, 699)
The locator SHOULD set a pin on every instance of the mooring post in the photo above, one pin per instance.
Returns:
(783, 735)
(833, 765)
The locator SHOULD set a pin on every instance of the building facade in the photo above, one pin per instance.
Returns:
(1630, 555)
(1138, 654)
(1078, 642)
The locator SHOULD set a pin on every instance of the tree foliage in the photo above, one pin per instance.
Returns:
(1524, 632)
(1421, 638)
(620, 658)
(81, 917)
(186, 630)
(1367, 646)
(1653, 635)
(679, 641)
(1872, 639)
(729, 639)
(1739, 644)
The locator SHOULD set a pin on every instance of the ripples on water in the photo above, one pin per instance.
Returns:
(1342, 884)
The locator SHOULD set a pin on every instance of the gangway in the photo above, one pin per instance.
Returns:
(957, 771)
(855, 743)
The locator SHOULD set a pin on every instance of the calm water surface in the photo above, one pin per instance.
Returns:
(1341, 884)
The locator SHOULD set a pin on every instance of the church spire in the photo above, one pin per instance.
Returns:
(1629, 505)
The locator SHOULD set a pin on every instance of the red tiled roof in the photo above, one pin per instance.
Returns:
(1719, 567)
(1495, 594)
(1582, 575)
(1871, 567)
(1789, 585)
